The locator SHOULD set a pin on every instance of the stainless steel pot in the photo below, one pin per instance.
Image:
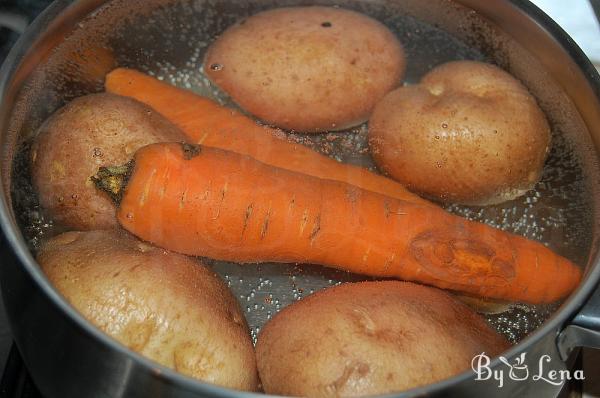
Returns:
(63, 54)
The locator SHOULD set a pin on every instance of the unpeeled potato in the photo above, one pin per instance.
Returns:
(307, 69)
(469, 133)
(370, 338)
(89, 132)
(163, 305)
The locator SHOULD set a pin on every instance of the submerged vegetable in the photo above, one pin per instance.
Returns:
(219, 204)
(307, 69)
(210, 124)
(370, 338)
(89, 132)
(468, 133)
(165, 306)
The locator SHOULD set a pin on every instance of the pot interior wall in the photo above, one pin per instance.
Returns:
(168, 39)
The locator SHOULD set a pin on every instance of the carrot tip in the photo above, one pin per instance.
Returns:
(190, 150)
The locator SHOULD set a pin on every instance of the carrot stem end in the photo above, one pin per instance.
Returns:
(113, 179)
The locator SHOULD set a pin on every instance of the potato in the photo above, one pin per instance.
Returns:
(162, 305)
(370, 338)
(89, 132)
(469, 133)
(308, 69)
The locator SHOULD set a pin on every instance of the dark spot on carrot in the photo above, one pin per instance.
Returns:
(190, 150)
(304, 221)
(316, 228)
(182, 199)
(386, 208)
(265, 226)
(223, 192)
(326, 24)
(247, 217)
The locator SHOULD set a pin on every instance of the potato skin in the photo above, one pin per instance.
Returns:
(307, 69)
(89, 132)
(163, 305)
(469, 133)
(370, 338)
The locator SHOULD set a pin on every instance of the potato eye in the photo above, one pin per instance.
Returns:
(326, 24)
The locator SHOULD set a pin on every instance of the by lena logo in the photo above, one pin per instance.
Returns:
(519, 370)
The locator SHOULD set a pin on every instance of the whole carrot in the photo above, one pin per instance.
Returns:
(208, 123)
(205, 201)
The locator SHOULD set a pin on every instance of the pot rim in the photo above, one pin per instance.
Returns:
(48, 21)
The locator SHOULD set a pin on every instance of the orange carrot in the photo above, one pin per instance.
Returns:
(209, 202)
(208, 123)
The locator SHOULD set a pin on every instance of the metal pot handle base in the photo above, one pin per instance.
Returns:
(13, 20)
(584, 329)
